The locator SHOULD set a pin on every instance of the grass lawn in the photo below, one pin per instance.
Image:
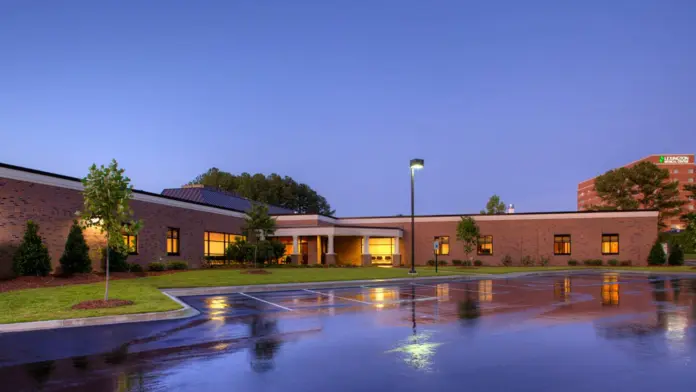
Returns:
(56, 302)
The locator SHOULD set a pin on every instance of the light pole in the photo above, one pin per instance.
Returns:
(415, 165)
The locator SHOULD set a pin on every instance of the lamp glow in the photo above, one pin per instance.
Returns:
(417, 164)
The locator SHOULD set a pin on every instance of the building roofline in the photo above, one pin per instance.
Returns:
(137, 191)
(514, 214)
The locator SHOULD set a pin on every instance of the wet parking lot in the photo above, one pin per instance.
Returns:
(576, 332)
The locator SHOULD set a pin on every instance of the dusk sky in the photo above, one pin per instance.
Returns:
(520, 98)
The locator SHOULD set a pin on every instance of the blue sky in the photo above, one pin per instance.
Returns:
(520, 98)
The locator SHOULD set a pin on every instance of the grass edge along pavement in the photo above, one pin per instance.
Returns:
(54, 303)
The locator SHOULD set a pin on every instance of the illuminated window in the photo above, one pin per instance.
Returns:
(379, 246)
(444, 245)
(610, 244)
(610, 290)
(562, 289)
(561, 244)
(215, 244)
(485, 245)
(172, 241)
(485, 290)
(131, 242)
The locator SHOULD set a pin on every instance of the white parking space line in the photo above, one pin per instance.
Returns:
(336, 296)
(266, 302)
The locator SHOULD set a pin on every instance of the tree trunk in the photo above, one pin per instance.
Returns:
(106, 286)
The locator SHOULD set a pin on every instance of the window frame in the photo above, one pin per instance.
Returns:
(618, 244)
(126, 239)
(228, 238)
(178, 241)
(439, 248)
(570, 244)
(478, 245)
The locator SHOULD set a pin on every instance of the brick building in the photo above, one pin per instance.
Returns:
(184, 228)
(681, 168)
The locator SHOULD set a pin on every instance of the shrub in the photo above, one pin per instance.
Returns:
(626, 263)
(572, 262)
(657, 254)
(478, 263)
(117, 261)
(177, 265)
(156, 266)
(135, 267)
(593, 262)
(544, 261)
(527, 261)
(613, 262)
(466, 263)
(32, 256)
(442, 262)
(431, 263)
(507, 260)
(456, 262)
(75, 258)
(676, 255)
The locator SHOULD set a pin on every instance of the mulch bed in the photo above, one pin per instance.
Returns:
(256, 272)
(101, 304)
(35, 282)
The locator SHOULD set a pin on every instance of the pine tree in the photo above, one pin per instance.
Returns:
(657, 255)
(75, 258)
(32, 256)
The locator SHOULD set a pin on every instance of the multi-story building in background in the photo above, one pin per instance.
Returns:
(681, 167)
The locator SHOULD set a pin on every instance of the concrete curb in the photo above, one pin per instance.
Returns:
(185, 312)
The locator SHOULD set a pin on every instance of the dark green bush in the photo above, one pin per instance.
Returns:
(657, 255)
(442, 262)
(527, 261)
(478, 263)
(626, 263)
(156, 266)
(32, 256)
(431, 263)
(544, 261)
(177, 265)
(75, 258)
(507, 260)
(466, 263)
(456, 262)
(613, 262)
(135, 267)
(676, 255)
(572, 262)
(593, 262)
(118, 262)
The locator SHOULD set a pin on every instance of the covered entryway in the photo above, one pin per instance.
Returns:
(342, 245)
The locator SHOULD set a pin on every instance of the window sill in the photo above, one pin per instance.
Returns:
(173, 254)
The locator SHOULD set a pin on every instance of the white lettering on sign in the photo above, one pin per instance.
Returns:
(674, 159)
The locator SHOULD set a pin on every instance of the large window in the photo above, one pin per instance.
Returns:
(485, 245)
(444, 245)
(561, 244)
(610, 290)
(380, 246)
(172, 241)
(214, 244)
(131, 242)
(610, 244)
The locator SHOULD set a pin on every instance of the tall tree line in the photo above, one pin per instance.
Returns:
(270, 189)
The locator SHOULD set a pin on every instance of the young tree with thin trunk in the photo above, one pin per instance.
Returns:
(468, 233)
(106, 195)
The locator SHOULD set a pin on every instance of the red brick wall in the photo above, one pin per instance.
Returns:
(527, 237)
(53, 208)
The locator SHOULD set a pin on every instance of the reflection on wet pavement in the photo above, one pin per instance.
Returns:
(569, 332)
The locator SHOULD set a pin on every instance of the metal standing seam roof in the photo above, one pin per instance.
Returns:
(218, 198)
